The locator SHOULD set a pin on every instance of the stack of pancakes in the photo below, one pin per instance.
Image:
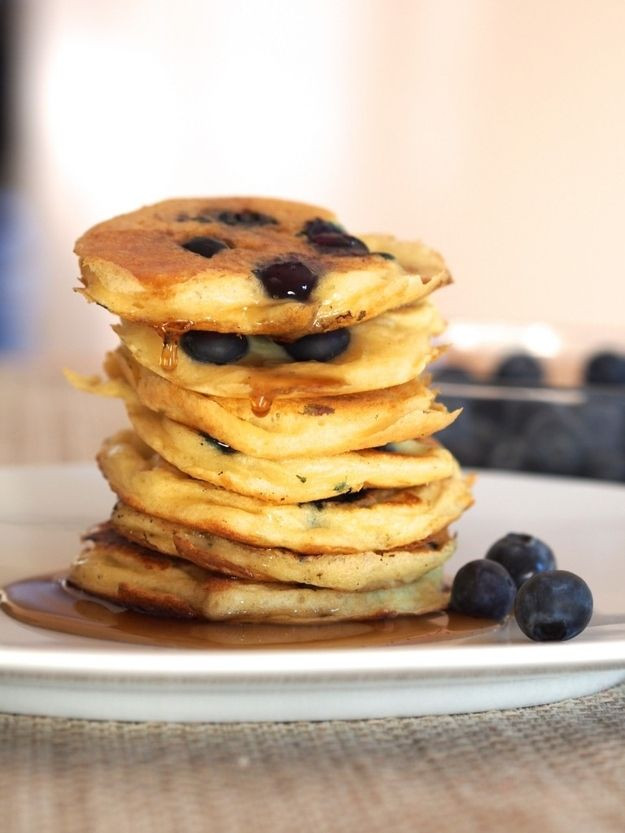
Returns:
(280, 466)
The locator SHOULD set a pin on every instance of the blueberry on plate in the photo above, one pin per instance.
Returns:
(553, 606)
(519, 369)
(214, 348)
(606, 368)
(319, 347)
(522, 555)
(483, 589)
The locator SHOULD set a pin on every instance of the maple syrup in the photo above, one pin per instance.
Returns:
(170, 333)
(260, 403)
(285, 383)
(47, 602)
(264, 390)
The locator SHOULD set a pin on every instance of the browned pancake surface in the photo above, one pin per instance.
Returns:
(137, 266)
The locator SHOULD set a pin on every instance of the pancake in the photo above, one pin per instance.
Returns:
(294, 480)
(384, 352)
(297, 428)
(378, 520)
(140, 579)
(137, 266)
(341, 571)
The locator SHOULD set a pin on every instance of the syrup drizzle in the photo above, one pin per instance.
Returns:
(260, 403)
(170, 333)
(46, 602)
(169, 353)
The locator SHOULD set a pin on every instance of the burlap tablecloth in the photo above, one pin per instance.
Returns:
(552, 768)
(558, 768)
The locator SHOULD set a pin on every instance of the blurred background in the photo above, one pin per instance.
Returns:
(494, 131)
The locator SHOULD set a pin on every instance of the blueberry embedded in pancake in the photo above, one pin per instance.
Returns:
(293, 480)
(351, 572)
(248, 265)
(318, 225)
(222, 448)
(214, 348)
(320, 347)
(205, 246)
(383, 519)
(230, 218)
(330, 237)
(291, 279)
(389, 350)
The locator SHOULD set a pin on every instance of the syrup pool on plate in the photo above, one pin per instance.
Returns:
(47, 602)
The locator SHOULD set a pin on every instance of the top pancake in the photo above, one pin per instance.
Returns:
(136, 266)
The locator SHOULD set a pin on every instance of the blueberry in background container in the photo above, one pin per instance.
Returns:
(513, 421)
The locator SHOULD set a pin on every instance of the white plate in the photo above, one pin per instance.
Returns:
(45, 508)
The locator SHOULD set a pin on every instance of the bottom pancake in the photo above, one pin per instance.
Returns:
(350, 572)
(135, 577)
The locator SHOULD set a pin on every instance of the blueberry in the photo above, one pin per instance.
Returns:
(518, 369)
(385, 255)
(320, 347)
(508, 454)
(214, 348)
(246, 218)
(491, 410)
(344, 497)
(555, 442)
(331, 238)
(349, 496)
(553, 606)
(319, 226)
(337, 242)
(522, 555)
(471, 436)
(287, 279)
(605, 464)
(205, 246)
(484, 589)
(453, 374)
(516, 414)
(218, 444)
(605, 368)
(602, 419)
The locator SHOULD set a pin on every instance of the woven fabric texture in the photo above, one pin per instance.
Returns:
(552, 768)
